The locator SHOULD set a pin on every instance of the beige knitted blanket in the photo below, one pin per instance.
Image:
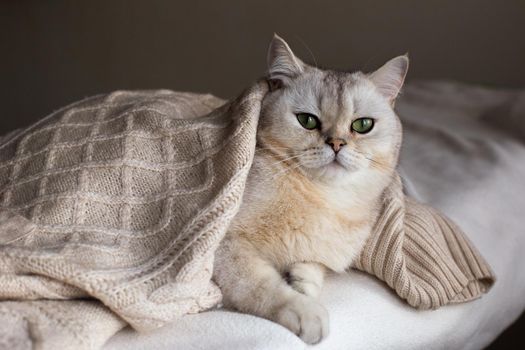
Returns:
(111, 210)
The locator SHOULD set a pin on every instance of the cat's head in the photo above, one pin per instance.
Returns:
(331, 125)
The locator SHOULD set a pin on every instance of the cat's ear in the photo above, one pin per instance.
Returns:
(282, 63)
(390, 77)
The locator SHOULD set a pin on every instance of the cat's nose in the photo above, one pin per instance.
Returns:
(336, 144)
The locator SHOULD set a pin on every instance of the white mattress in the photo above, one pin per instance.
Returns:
(464, 153)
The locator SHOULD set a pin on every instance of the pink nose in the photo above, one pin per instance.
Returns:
(336, 144)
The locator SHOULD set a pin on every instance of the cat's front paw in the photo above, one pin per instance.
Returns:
(306, 287)
(305, 317)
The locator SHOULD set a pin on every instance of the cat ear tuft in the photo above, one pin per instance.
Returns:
(282, 63)
(390, 77)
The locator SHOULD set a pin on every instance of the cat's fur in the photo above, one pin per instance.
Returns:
(307, 209)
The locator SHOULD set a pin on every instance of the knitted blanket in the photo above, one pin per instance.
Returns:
(112, 208)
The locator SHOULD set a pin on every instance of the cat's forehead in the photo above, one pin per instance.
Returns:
(329, 91)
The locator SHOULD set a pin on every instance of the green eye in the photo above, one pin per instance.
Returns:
(308, 121)
(363, 125)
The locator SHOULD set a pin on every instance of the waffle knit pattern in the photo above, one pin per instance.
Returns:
(112, 208)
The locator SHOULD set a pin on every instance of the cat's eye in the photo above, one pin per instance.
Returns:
(308, 121)
(363, 125)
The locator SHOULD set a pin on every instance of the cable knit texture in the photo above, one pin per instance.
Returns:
(112, 208)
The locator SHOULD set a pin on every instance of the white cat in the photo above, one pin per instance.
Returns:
(327, 147)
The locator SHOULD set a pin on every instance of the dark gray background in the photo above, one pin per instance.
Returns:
(56, 52)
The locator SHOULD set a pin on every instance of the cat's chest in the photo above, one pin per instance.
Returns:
(299, 223)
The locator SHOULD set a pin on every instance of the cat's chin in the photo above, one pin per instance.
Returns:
(333, 171)
(335, 166)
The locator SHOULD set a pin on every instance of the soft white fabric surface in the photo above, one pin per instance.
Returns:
(464, 153)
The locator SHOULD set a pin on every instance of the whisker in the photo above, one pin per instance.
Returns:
(270, 148)
(307, 48)
(374, 163)
(285, 171)
(288, 158)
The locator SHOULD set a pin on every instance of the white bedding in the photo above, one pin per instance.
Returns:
(464, 153)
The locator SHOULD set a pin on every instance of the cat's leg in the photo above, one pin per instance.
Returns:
(307, 278)
(253, 285)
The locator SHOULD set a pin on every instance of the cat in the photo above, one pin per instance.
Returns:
(327, 147)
